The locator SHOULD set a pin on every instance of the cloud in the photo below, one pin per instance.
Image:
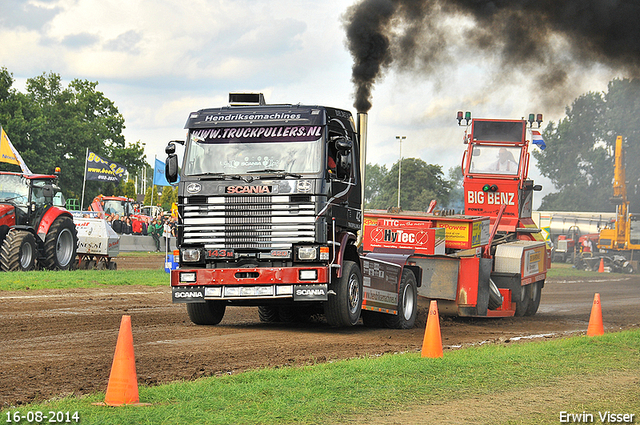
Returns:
(26, 14)
(77, 41)
(125, 42)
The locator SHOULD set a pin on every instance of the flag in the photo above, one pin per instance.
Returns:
(159, 177)
(538, 140)
(9, 154)
(103, 169)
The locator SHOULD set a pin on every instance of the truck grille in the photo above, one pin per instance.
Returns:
(249, 221)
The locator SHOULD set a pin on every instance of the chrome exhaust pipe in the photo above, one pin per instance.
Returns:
(362, 137)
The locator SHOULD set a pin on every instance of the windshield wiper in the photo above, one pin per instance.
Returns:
(220, 176)
(280, 173)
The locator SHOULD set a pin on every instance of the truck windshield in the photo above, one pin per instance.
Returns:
(14, 189)
(214, 155)
(495, 160)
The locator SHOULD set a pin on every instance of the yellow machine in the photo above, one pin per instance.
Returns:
(625, 236)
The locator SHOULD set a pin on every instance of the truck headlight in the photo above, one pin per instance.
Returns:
(190, 255)
(307, 253)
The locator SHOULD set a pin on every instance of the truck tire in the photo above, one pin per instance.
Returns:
(268, 313)
(407, 304)
(534, 301)
(343, 308)
(207, 313)
(522, 303)
(18, 251)
(60, 244)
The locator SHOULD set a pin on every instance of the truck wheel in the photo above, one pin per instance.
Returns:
(268, 313)
(522, 303)
(60, 244)
(407, 303)
(18, 251)
(207, 313)
(343, 308)
(534, 301)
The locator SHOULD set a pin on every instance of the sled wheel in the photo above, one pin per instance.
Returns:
(522, 303)
(343, 308)
(407, 303)
(111, 265)
(207, 313)
(18, 251)
(60, 244)
(534, 301)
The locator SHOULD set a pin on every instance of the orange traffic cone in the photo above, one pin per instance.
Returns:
(595, 321)
(432, 344)
(601, 268)
(123, 382)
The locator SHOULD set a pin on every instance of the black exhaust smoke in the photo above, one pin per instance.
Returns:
(548, 40)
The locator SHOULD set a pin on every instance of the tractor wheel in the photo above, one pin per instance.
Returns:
(60, 244)
(343, 308)
(207, 313)
(407, 303)
(18, 251)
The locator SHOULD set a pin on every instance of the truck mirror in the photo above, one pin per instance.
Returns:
(171, 167)
(342, 144)
(537, 187)
(170, 149)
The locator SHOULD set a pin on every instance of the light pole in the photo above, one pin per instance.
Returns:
(400, 139)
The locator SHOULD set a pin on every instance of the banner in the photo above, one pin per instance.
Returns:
(9, 154)
(103, 169)
(159, 177)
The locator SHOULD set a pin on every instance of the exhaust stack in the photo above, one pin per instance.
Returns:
(362, 136)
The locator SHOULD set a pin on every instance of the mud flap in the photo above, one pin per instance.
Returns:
(511, 281)
(484, 273)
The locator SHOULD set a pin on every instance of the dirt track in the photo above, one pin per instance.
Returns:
(58, 342)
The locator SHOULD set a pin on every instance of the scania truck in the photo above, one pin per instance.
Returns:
(270, 214)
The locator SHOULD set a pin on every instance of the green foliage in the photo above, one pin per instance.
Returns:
(579, 157)
(51, 125)
(152, 191)
(130, 189)
(419, 184)
(168, 197)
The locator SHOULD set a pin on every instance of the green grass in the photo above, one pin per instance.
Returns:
(564, 271)
(16, 281)
(362, 388)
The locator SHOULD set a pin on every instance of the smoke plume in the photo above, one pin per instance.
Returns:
(545, 39)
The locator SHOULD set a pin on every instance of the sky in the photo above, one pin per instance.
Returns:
(160, 60)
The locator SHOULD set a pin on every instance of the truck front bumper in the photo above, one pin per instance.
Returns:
(199, 285)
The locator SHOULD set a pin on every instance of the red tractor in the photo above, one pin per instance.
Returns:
(35, 228)
(122, 207)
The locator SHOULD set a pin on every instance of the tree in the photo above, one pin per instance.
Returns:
(420, 183)
(130, 189)
(374, 177)
(52, 126)
(579, 156)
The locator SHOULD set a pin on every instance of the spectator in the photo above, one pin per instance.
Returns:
(136, 226)
(155, 230)
(126, 226)
(116, 224)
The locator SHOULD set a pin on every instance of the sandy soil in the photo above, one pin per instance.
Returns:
(60, 342)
